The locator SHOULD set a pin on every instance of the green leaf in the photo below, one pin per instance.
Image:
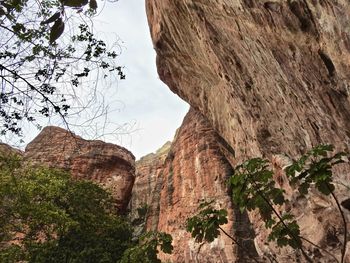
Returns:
(323, 188)
(278, 198)
(74, 3)
(2, 12)
(93, 4)
(303, 188)
(52, 19)
(56, 30)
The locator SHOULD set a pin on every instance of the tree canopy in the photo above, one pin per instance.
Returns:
(48, 50)
(45, 216)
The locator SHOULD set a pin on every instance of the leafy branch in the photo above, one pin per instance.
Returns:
(253, 188)
(43, 66)
(206, 224)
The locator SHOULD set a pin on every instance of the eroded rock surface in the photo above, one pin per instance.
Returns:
(148, 184)
(271, 77)
(194, 170)
(107, 164)
(7, 149)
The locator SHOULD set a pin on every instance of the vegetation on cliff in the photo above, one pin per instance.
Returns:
(254, 188)
(46, 216)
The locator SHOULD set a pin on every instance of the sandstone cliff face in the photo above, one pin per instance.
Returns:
(193, 171)
(6, 149)
(107, 164)
(271, 77)
(147, 186)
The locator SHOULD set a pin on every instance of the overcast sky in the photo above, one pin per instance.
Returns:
(147, 103)
(143, 110)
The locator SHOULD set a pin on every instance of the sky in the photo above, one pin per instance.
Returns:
(143, 112)
(153, 111)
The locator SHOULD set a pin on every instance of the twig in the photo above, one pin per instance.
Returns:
(286, 227)
(320, 248)
(46, 98)
(239, 245)
(344, 222)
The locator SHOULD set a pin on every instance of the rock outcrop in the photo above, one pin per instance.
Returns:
(148, 184)
(271, 77)
(107, 164)
(194, 170)
(7, 149)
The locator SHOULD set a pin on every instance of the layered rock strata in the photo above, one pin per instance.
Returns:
(194, 170)
(107, 164)
(271, 77)
(147, 186)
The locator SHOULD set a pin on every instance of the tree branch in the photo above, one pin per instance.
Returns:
(344, 223)
(46, 98)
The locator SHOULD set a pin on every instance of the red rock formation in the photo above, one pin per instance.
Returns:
(147, 186)
(6, 149)
(271, 77)
(109, 165)
(270, 80)
(194, 170)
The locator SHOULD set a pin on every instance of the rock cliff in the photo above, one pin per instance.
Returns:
(271, 77)
(107, 164)
(7, 149)
(147, 186)
(173, 183)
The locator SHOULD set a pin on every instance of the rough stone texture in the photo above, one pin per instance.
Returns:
(7, 149)
(271, 77)
(147, 186)
(194, 170)
(110, 165)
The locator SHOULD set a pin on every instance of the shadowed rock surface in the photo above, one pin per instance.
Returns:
(194, 170)
(147, 186)
(272, 78)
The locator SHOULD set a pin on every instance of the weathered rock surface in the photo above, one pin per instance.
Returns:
(7, 149)
(271, 77)
(107, 164)
(147, 186)
(193, 171)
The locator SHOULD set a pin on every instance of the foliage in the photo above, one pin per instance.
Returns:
(47, 50)
(147, 248)
(45, 216)
(253, 188)
(315, 167)
(140, 219)
(146, 243)
(142, 210)
(205, 225)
